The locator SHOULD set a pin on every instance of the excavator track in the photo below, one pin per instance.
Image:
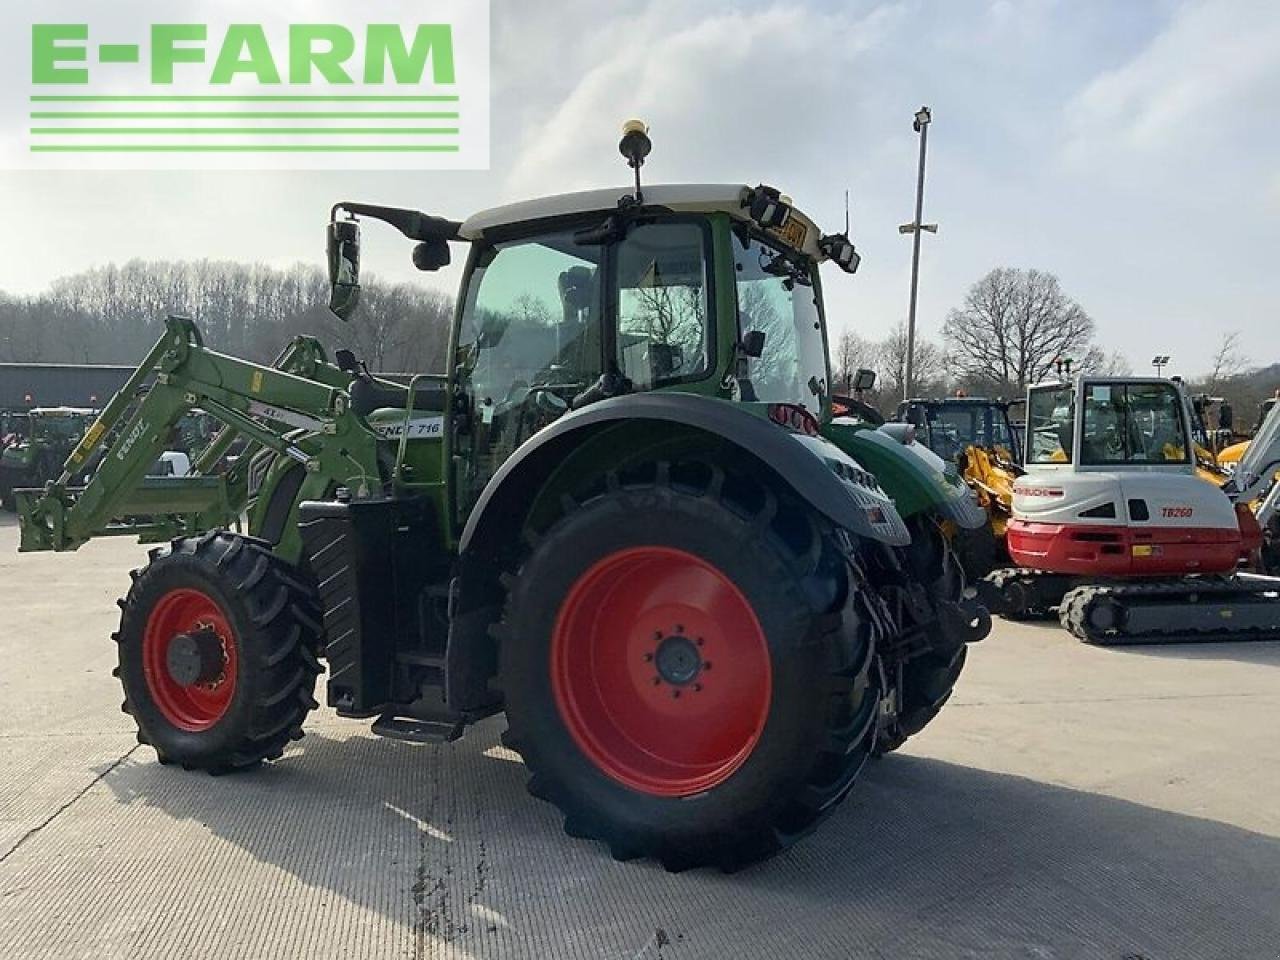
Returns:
(1018, 593)
(1190, 610)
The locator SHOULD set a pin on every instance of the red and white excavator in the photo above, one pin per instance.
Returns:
(1112, 527)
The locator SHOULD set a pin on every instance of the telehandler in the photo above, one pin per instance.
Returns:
(625, 516)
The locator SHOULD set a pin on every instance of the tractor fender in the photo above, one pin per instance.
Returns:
(817, 470)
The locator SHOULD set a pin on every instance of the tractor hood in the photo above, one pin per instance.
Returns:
(917, 478)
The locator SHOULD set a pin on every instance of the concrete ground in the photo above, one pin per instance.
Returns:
(1069, 802)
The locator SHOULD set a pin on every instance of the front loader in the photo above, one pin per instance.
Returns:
(625, 516)
(977, 435)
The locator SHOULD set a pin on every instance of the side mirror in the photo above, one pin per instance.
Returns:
(864, 379)
(753, 344)
(344, 267)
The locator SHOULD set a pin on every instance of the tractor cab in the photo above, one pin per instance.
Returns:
(566, 301)
(579, 298)
(951, 425)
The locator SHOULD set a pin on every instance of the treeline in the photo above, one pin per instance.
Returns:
(114, 314)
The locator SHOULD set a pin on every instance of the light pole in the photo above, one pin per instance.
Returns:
(921, 126)
(1160, 361)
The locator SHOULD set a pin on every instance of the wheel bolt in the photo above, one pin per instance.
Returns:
(706, 665)
(699, 641)
(675, 694)
(657, 634)
(697, 688)
(656, 681)
(679, 628)
(648, 658)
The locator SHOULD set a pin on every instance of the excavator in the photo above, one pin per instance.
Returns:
(1113, 528)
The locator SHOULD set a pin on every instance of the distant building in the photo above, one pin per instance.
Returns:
(27, 385)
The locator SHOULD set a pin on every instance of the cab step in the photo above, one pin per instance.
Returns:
(418, 731)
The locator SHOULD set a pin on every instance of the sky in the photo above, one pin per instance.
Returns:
(1128, 146)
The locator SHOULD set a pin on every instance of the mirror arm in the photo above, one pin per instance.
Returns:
(412, 223)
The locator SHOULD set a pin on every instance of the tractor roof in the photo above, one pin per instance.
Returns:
(688, 197)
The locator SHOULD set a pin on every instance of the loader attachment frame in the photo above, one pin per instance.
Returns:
(272, 408)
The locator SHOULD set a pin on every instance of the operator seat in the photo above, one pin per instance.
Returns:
(368, 395)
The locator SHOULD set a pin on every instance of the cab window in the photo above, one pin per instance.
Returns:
(1133, 423)
(530, 342)
(779, 298)
(663, 309)
(1050, 421)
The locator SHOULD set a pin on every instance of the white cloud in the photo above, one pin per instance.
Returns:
(1215, 65)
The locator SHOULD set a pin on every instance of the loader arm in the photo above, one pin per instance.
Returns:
(1255, 475)
(258, 402)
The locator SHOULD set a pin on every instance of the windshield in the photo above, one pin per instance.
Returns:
(1133, 423)
(952, 427)
(780, 300)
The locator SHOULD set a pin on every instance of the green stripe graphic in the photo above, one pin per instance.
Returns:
(245, 148)
(228, 115)
(274, 131)
(243, 99)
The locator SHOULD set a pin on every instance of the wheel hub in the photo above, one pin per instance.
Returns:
(678, 661)
(195, 657)
(632, 656)
(190, 659)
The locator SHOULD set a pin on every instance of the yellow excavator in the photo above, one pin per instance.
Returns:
(977, 435)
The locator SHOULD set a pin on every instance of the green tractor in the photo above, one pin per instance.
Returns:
(37, 447)
(626, 516)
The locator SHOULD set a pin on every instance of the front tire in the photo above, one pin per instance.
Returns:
(217, 652)
(926, 682)
(686, 675)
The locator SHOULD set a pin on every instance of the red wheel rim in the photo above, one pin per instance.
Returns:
(197, 706)
(660, 671)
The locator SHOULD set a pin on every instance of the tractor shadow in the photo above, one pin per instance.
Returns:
(926, 858)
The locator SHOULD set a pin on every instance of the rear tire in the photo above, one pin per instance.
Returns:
(217, 652)
(602, 683)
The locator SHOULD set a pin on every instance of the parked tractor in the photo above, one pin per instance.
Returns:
(625, 516)
(33, 457)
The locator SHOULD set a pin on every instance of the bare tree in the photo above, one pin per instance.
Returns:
(1013, 325)
(852, 353)
(928, 365)
(1228, 361)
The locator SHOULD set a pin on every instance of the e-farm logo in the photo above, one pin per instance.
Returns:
(214, 85)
